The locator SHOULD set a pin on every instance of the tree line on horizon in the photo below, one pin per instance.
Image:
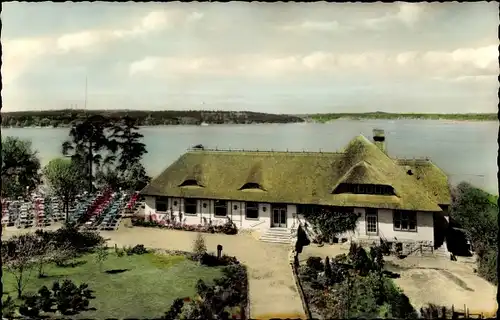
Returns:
(65, 118)
(324, 117)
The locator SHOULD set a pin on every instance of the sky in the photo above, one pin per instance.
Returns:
(265, 57)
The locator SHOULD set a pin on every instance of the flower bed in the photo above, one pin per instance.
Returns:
(227, 228)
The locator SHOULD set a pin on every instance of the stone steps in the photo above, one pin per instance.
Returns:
(277, 235)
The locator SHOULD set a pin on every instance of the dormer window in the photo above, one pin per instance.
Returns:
(373, 189)
(190, 183)
(252, 186)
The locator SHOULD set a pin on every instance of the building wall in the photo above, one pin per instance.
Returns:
(236, 211)
(425, 228)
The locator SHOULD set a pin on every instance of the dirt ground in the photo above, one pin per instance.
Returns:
(434, 280)
(273, 293)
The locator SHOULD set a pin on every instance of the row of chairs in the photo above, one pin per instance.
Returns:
(111, 219)
(82, 206)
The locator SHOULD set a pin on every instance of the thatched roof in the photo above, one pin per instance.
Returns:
(300, 177)
(430, 177)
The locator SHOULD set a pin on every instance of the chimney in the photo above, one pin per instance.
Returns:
(379, 139)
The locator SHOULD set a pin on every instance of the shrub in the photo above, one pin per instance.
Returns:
(101, 255)
(139, 249)
(315, 263)
(175, 310)
(229, 227)
(328, 270)
(119, 252)
(8, 307)
(226, 260)
(80, 241)
(359, 259)
(31, 306)
(207, 259)
(199, 247)
(488, 266)
(228, 292)
(211, 260)
(70, 298)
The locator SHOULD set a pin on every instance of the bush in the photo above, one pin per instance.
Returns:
(488, 266)
(8, 307)
(228, 293)
(315, 263)
(139, 249)
(129, 250)
(360, 260)
(31, 306)
(80, 241)
(211, 260)
(69, 298)
(226, 260)
(229, 227)
(199, 247)
(365, 293)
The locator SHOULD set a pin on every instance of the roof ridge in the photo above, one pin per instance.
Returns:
(271, 151)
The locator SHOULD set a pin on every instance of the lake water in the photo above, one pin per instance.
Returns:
(466, 151)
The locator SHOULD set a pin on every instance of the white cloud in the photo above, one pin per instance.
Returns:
(313, 26)
(408, 14)
(144, 65)
(81, 40)
(18, 54)
(464, 62)
(194, 16)
(469, 79)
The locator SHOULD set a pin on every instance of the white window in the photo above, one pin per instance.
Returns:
(371, 221)
(190, 206)
(252, 210)
(405, 220)
(220, 208)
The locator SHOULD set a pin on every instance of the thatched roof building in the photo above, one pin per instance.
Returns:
(316, 178)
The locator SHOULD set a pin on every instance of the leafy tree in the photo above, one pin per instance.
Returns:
(87, 140)
(473, 209)
(18, 257)
(45, 249)
(127, 139)
(64, 178)
(20, 167)
(476, 211)
(199, 247)
(101, 255)
(126, 145)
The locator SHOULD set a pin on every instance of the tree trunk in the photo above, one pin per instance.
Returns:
(91, 158)
(20, 284)
(66, 209)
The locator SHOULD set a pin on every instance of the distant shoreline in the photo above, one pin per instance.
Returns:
(64, 118)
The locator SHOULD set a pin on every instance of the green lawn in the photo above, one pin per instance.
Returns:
(145, 290)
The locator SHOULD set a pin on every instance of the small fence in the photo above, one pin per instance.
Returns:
(436, 312)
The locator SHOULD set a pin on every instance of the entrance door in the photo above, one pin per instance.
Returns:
(279, 217)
